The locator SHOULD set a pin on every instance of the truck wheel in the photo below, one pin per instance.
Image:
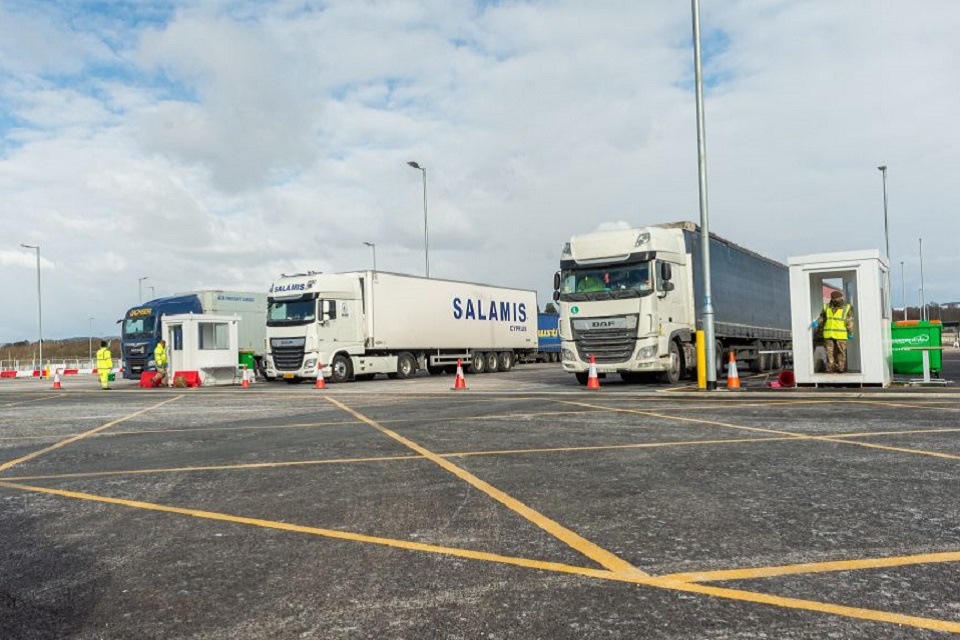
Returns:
(583, 377)
(406, 365)
(342, 369)
(477, 362)
(492, 362)
(675, 368)
(507, 360)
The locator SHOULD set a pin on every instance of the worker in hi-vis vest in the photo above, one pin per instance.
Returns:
(836, 318)
(160, 362)
(104, 364)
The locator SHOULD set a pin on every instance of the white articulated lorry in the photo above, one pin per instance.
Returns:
(632, 299)
(355, 325)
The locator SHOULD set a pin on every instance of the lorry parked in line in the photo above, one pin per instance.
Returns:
(355, 325)
(632, 298)
(142, 327)
(548, 337)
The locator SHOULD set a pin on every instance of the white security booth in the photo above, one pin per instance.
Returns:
(205, 347)
(864, 279)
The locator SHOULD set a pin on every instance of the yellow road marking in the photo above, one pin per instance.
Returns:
(664, 582)
(13, 404)
(814, 567)
(893, 433)
(574, 540)
(870, 445)
(459, 454)
(63, 443)
(327, 533)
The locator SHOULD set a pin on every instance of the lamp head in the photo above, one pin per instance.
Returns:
(414, 165)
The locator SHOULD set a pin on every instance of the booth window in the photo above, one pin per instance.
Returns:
(214, 335)
(176, 337)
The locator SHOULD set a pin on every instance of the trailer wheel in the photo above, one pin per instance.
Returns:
(406, 365)
(507, 360)
(341, 369)
(675, 368)
(492, 362)
(477, 362)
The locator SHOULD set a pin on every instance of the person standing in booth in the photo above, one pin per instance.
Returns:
(836, 318)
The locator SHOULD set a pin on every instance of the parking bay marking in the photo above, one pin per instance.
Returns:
(658, 582)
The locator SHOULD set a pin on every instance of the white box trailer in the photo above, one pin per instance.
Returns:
(358, 324)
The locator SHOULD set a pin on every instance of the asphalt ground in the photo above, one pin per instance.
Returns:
(523, 507)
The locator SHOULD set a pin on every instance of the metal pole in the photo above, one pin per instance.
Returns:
(709, 334)
(36, 247)
(903, 291)
(374, 248)
(140, 287)
(426, 235)
(886, 227)
(923, 303)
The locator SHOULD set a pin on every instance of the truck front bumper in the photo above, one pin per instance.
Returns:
(645, 359)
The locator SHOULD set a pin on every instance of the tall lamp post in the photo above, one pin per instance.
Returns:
(373, 246)
(90, 338)
(923, 303)
(426, 236)
(140, 287)
(886, 227)
(903, 291)
(36, 247)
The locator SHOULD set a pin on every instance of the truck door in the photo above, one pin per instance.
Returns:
(341, 319)
(671, 288)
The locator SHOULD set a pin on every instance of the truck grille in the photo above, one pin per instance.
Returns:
(287, 353)
(137, 363)
(606, 345)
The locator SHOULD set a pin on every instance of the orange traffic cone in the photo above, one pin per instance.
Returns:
(593, 381)
(56, 380)
(461, 382)
(321, 383)
(245, 383)
(733, 378)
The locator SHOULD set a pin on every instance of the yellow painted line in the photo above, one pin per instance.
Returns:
(893, 433)
(459, 454)
(574, 540)
(871, 445)
(225, 467)
(633, 577)
(63, 443)
(814, 567)
(317, 531)
(14, 404)
(820, 607)
(931, 405)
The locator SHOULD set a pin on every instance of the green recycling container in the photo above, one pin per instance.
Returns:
(247, 358)
(907, 334)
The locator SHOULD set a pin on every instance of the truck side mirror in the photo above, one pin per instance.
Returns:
(556, 296)
(666, 271)
(556, 282)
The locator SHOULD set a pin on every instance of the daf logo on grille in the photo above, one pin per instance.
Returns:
(603, 324)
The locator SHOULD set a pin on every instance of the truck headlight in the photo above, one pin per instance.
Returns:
(568, 355)
(310, 364)
(647, 352)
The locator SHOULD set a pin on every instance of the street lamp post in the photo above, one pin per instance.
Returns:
(373, 246)
(426, 236)
(90, 338)
(923, 304)
(886, 227)
(36, 247)
(140, 287)
(903, 291)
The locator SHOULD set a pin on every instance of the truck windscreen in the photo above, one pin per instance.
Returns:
(301, 310)
(141, 327)
(622, 281)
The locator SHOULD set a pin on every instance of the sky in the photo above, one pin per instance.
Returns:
(216, 144)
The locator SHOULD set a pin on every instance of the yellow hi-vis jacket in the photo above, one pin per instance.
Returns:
(835, 324)
(160, 355)
(104, 360)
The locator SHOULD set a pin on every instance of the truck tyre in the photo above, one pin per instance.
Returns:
(341, 369)
(506, 360)
(477, 362)
(583, 377)
(675, 367)
(406, 365)
(492, 363)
